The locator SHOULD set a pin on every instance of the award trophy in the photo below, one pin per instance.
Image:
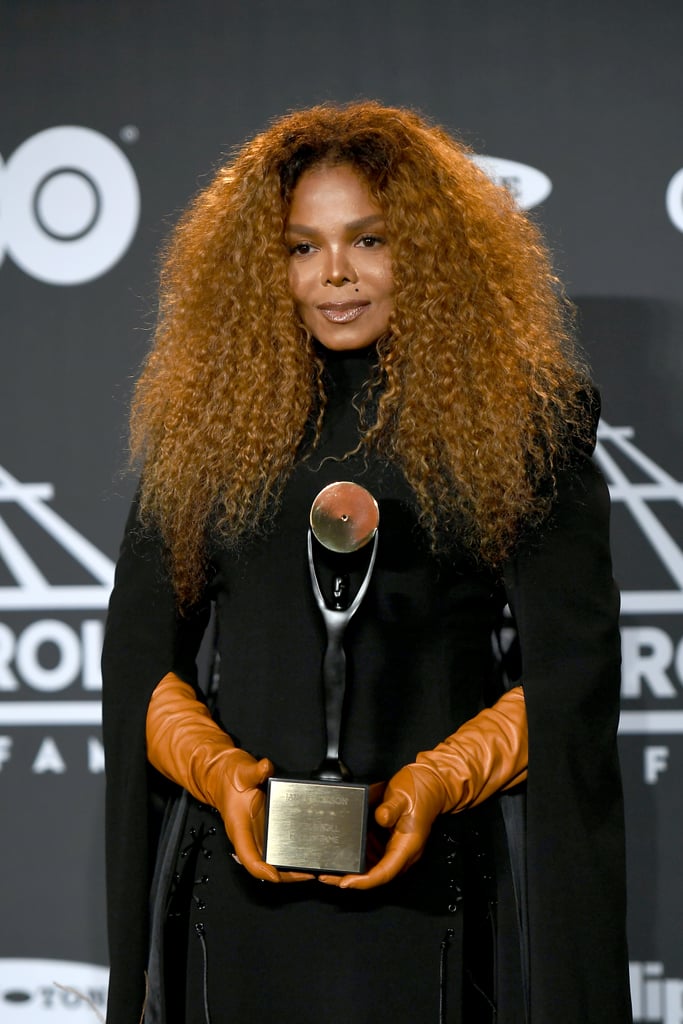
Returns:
(319, 824)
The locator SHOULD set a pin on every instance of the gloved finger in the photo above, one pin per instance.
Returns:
(250, 774)
(403, 849)
(391, 809)
(244, 825)
(249, 855)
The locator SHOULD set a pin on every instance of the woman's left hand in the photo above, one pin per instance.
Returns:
(412, 800)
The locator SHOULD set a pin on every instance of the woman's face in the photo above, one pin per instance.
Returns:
(339, 262)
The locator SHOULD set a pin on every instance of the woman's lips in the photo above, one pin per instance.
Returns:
(342, 312)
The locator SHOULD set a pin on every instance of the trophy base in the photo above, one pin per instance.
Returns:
(316, 826)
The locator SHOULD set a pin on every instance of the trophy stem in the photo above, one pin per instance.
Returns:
(334, 681)
(332, 768)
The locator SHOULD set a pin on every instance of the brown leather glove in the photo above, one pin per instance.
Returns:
(487, 754)
(188, 747)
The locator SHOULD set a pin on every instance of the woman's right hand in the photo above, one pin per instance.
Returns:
(237, 781)
(188, 747)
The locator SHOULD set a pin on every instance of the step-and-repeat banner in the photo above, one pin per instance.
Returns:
(112, 116)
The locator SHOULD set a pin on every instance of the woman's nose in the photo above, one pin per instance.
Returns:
(339, 269)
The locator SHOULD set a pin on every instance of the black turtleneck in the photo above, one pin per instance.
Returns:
(347, 376)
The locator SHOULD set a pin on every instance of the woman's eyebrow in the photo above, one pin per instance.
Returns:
(354, 225)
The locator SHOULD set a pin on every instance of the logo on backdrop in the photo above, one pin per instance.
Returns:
(674, 200)
(640, 451)
(652, 663)
(54, 991)
(51, 623)
(656, 999)
(528, 185)
(70, 205)
(637, 482)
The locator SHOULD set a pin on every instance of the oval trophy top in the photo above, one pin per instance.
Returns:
(344, 517)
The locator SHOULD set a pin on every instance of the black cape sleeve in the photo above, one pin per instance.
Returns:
(565, 605)
(145, 637)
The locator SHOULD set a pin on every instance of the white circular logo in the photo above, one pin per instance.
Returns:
(528, 185)
(70, 205)
(674, 200)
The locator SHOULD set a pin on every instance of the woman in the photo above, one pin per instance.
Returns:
(351, 298)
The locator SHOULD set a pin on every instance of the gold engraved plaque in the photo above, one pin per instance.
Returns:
(316, 826)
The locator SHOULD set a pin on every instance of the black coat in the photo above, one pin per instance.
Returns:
(565, 604)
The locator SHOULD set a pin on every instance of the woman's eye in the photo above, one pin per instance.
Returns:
(368, 241)
(300, 249)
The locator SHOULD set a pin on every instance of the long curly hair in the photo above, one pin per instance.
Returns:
(480, 384)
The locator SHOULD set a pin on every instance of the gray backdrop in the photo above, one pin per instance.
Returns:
(112, 116)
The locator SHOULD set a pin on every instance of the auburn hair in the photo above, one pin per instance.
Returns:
(480, 387)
